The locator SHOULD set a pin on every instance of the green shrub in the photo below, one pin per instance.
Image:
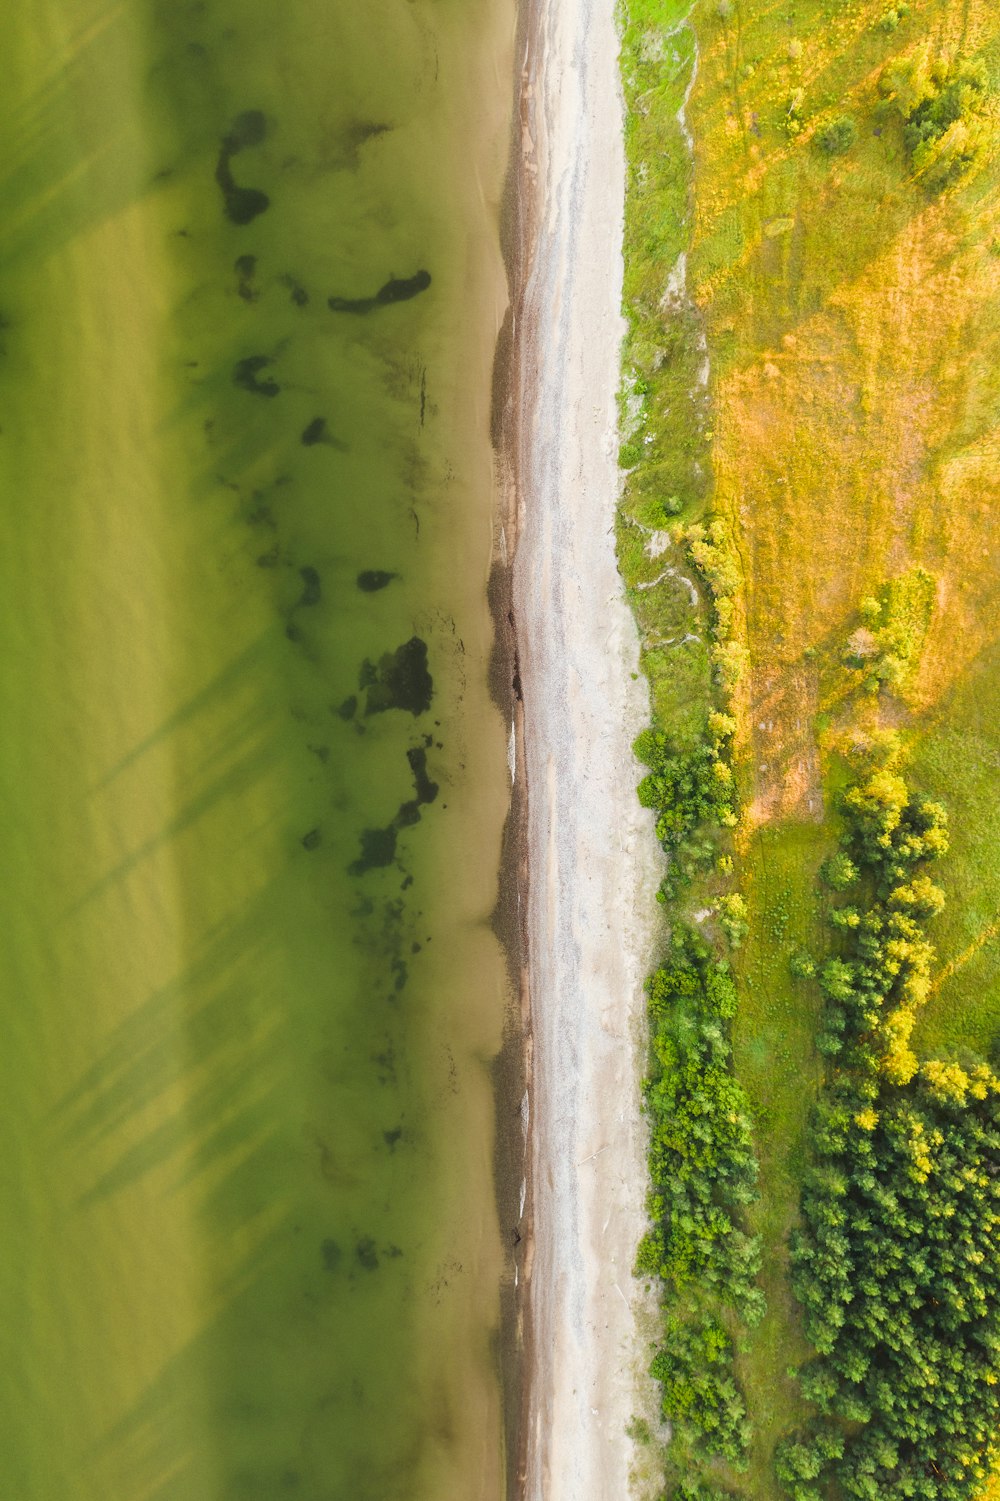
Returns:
(837, 137)
(839, 871)
(945, 126)
(697, 1491)
(733, 918)
(802, 966)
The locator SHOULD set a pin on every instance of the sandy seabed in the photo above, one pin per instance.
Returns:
(593, 859)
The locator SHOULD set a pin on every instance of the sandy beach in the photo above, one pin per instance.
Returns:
(592, 854)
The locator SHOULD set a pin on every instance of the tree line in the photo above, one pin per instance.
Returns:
(897, 1263)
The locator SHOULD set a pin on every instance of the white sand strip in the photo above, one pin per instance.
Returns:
(593, 856)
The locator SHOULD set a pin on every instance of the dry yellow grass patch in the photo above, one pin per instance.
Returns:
(854, 325)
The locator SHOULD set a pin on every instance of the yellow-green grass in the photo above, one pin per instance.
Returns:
(852, 324)
(206, 1062)
(853, 330)
(775, 1061)
(957, 760)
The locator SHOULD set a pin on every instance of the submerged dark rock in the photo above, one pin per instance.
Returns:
(370, 580)
(402, 288)
(408, 815)
(396, 289)
(358, 134)
(331, 1254)
(401, 680)
(242, 205)
(348, 708)
(426, 790)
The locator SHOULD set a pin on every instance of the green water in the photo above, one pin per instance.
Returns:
(250, 986)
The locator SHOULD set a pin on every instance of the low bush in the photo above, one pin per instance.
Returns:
(837, 137)
(886, 646)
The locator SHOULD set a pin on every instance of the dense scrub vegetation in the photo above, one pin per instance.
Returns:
(688, 789)
(683, 582)
(701, 1158)
(897, 1265)
(703, 1170)
(946, 129)
(702, 1166)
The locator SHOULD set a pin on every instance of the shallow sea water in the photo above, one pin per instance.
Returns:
(254, 806)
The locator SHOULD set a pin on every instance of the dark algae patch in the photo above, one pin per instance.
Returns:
(245, 267)
(371, 580)
(397, 289)
(247, 375)
(242, 205)
(378, 846)
(314, 432)
(378, 849)
(426, 790)
(248, 129)
(400, 681)
(332, 1254)
(312, 589)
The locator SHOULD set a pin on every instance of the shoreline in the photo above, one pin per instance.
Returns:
(588, 866)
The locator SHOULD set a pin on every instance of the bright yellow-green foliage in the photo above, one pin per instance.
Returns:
(895, 1266)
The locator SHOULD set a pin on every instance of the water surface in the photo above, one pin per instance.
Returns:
(253, 781)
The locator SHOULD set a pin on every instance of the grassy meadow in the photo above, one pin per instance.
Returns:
(252, 991)
(847, 433)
